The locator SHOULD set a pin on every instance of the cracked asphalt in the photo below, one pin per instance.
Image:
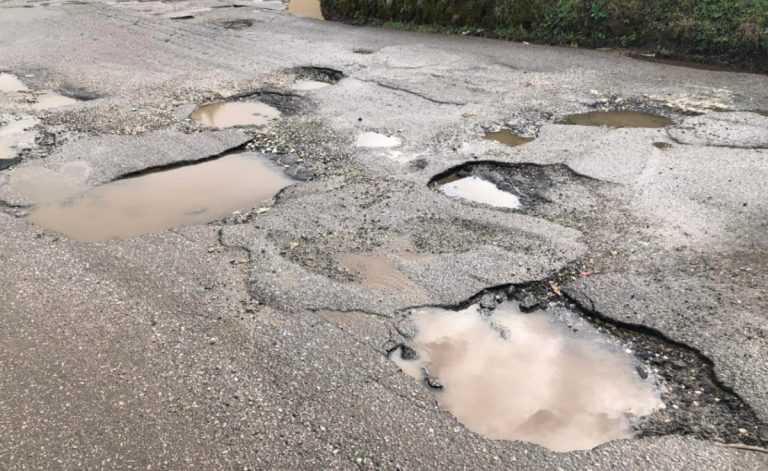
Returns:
(246, 343)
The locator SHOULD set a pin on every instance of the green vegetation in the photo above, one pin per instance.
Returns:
(732, 32)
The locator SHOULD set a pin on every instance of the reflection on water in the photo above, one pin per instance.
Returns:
(194, 194)
(619, 119)
(516, 376)
(226, 114)
(477, 190)
(506, 136)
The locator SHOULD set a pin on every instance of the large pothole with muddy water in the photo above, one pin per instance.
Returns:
(534, 363)
(150, 202)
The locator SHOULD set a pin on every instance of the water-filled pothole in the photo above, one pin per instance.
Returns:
(307, 8)
(507, 137)
(11, 83)
(527, 187)
(14, 136)
(227, 114)
(477, 190)
(193, 194)
(45, 100)
(375, 139)
(547, 379)
(618, 119)
(696, 402)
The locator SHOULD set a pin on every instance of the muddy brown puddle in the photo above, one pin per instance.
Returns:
(227, 114)
(619, 119)
(307, 8)
(194, 194)
(507, 137)
(550, 380)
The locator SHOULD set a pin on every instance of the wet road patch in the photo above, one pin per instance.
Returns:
(618, 119)
(188, 195)
(507, 137)
(551, 379)
(228, 114)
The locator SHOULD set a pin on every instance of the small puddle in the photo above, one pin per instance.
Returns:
(507, 137)
(478, 190)
(307, 8)
(11, 83)
(375, 270)
(374, 139)
(551, 380)
(53, 100)
(309, 85)
(194, 194)
(227, 114)
(14, 136)
(619, 119)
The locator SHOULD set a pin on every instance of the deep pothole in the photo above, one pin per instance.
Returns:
(311, 78)
(524, 186)
(550, 379)
(536, 363)
(192, 194)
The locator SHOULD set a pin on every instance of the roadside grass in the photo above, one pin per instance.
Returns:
(728, 32)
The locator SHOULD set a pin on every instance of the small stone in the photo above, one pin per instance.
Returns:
(529, 303)
(300, 172)
(431, 381)
(407, 353)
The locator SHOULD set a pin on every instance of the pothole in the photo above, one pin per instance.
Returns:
(11, 83)
(228, 114)
(375, 139)
(477, 190)
(549, 379)
(522, 186)
(306, 8)
(15, 135)
(236, 25)
(619, 119)
(563, 375)
(507, 137)
(308, 85)
(36, 100)
(188, 195)
(313, 78)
